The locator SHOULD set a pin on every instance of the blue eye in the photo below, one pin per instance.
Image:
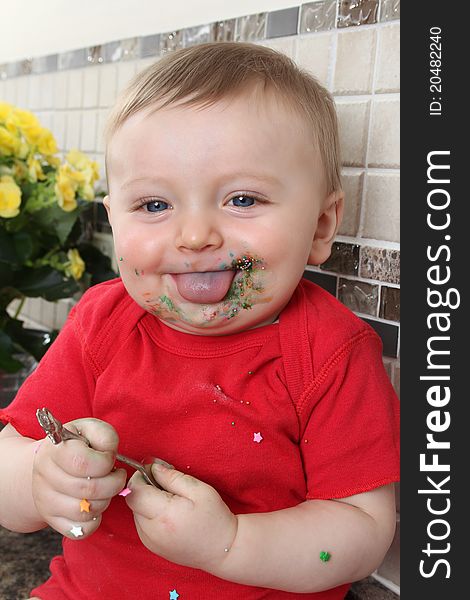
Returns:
(243, 201)
(156, 206)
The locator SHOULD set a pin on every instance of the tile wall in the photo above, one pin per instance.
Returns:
(353, 49)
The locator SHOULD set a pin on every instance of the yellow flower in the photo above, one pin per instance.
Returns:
(86, 172)
(54, 161)
(76, 266)
(10, 197)
(5, 110)
(46, 143)
(35, 169)
(65, 190)
(67, 182)
(19, 170)
(77, 159)
(86, 192)
(9, 142)
(24, 120)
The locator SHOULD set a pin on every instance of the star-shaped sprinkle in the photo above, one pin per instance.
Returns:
(125, 492)
(257, 437)
(84, 505)
(325, 556)
(76, 531)
(174, 595)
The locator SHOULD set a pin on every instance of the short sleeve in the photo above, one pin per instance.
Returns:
(350, 438)
(64, 382)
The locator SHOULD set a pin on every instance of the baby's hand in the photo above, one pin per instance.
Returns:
(188, 524)
(73, 484)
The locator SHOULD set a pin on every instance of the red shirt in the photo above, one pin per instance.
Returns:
(313, 385)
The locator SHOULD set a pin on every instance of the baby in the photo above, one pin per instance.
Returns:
(266, 394)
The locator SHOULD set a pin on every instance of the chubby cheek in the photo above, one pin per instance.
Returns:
(138, 253)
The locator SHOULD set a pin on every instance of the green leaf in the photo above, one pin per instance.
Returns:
(45, 282)
(34, 341)
(6, 275)
(97, 263)
(53, 218)
(23, 246)
(7, 248)
(7, 294)
(7, 362)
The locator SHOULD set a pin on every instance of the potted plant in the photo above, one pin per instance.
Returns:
(44, 249)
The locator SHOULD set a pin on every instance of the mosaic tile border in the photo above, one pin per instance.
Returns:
(366, 262)
(365, 279)
(365, 304)
(310, 17)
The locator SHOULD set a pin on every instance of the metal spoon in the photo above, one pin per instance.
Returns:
(57, 433)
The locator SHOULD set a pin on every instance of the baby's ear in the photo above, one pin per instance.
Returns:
(328, 223)
(106, 205)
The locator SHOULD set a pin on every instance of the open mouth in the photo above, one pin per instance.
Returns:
(204, 288)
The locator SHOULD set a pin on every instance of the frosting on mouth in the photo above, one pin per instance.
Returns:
(204, 288)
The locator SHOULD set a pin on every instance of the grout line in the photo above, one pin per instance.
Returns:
(353, 278)
(387, 583)
(372, 243)
(346, 170)
(363, 211)
(333, 55)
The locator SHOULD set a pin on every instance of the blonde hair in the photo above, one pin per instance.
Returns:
(207, 73)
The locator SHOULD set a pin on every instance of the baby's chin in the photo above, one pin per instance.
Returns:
(210, 319)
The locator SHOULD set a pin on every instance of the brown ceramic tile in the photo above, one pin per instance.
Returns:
(390, 303)
(380, 263)
(359, 296)
(344, 259)
(370, 589)
(357, 12)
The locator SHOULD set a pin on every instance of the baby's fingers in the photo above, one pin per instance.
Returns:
(78, 460)
(75, 529)
(97, 488)
(147, 500)
(101, 435)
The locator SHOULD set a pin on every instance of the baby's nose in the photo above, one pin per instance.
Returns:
(198, 232)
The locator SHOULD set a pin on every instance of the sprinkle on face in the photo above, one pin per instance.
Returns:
(168, 303)
(243, 294)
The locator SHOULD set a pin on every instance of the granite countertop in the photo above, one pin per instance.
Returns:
(25, 557)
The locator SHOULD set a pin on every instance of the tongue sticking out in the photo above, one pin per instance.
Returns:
(204, 288)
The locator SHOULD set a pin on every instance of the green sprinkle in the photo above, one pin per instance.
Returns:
(168, 302)
(121, 259)
(325, 556)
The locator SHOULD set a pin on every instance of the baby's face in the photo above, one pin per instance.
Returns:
(214, 211)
